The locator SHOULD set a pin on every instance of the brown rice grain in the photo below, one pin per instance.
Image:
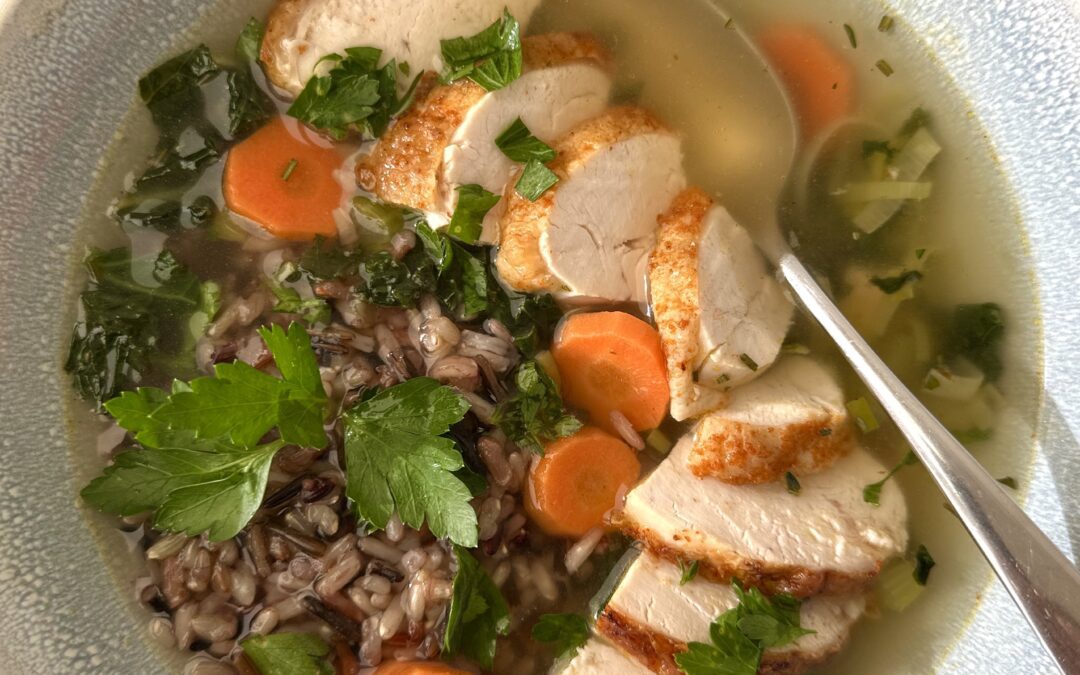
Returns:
(380, 550)
(167, 546)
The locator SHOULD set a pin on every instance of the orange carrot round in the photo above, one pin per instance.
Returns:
(282, 177)
(612, 361)
(819, 80)
(417, 668)
(578, 480)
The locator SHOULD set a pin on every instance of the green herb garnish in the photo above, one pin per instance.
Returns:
(924, 562)
(863, 414)
(886, 24)
(326, 259)
(288, 654)
(249, 44)
(518, 143)
(312, 310)
(474, 202)
(872, 493)
(399, 462)
(885, 68)
(478, 614)
(792, 482)
(535, 414)
(688, 571)
(289, 168)
(851, 35)
(354, 96)
(977, 331)
(741, 635)
(566, 633)
(535, 180)
(749, 362)
(890, 285)
(491, 58)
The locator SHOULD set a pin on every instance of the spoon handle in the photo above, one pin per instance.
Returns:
(1039, 577)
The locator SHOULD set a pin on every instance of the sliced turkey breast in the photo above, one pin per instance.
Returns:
(825, 539)
(448, 138)
(722, 316)
(299, 33)
(600, 657)
(653, 616)
(589, 235)
(791, 419)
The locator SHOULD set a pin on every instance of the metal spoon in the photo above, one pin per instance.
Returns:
(1042, 581)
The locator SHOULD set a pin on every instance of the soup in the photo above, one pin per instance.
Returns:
(355, 581)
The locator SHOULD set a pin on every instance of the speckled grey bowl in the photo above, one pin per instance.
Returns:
(66, 75)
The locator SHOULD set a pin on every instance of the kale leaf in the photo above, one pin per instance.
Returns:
(977, 331)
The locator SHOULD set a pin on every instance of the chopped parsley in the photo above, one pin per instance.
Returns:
(288, 654)
(398, 461)
(535, 180)
(749, 362)
(688, 571)
(924, 562)
(474, 202)
(289, 168)
(519, 144)
(740, 636)
(792, 482)
(863, 414)
(491, 58)
(566, 633)
(885, 68)
(535, 415)
(872, 493)
(851, 35)
(886, 24)
(478, 614)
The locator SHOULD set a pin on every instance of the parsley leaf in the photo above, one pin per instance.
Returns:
(132, 312)
(872, 493)
(491, 58)
(473, 204)
(535, 415)
(565, 632)
(688, 572)
(288, 654)
(311, 310)
(519, 144)
(397, 460)
(740, 635)
(243, 403)
(535, 180)
(355, 95)
(463, 281)
(394, 283)
(478, 613)
(531, 319)
(892, 285)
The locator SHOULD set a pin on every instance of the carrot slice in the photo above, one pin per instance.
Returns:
(612, 361)
(282, 177)
(578, 480)
(417, 668)
(819, 80)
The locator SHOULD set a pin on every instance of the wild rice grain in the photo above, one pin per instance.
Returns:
(201, 569)
(373, 583)
(221, 649)
(380, 550)
(221, 579)
(161, 629)
(243, 586)
(229, 552)
(258, 550)
(487, 518)
(390, 622)
(381, 600)
(543, 580)
(440, 590)
(501, 574)
(289, 608)
(361, 599)
(413, 560)
(580, 552)
(265, 621)
(371, 644)
(494, 457)
(214, 627)
(415, 598)
(513, 526)
(201, 665)
(182, 625)
(395, 529)
(324, 518)
(339, 576)
(174, 582)
(626, 431)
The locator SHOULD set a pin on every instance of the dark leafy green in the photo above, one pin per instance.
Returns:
(478, 613)
(535, 180)
(288, 654)
(535, 415)
(924, 562)
(356, 95)
(519, 144)
(531, 319)
(740, 636)
(688, 571)
(473, 204)
(892, 285)
(132, 312)
(249, 106)
(249, 44)
(393, 283)
(462, 284)
(311, 310)
(792, 481)
(491, 58)
(399, 462)
(326, 259)
(566, 633)
(977, 331)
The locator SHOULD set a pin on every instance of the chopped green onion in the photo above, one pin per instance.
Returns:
(919, 253)
(750, 363)
(795, 348)
(886, 24)
(851, 35)
(1009, 482)
(288, 172)
(793, 484)
(864, 416)
(658, 442)
(872, 493)
(897, 588)
(924, 562)
(909, 165)
(730, 23)
(885, 68)
(886, 190)
(688, 571)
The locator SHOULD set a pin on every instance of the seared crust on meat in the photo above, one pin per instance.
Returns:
(405, 166)
(741, 453)
(520, 262)
(280, 26)
(674, 290)
(657, 652)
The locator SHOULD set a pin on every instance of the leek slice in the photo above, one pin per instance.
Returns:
(959, 381)
(897, 587)
(909, 165)
(885, 190)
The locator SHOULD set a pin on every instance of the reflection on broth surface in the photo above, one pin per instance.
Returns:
(680, 60)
